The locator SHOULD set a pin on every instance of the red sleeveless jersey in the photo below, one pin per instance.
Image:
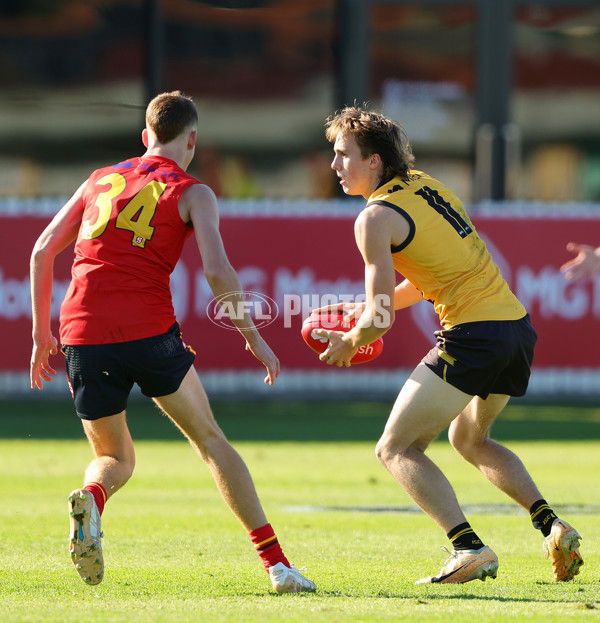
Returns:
(130, 239)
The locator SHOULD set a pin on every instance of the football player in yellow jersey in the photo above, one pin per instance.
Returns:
(414, 225)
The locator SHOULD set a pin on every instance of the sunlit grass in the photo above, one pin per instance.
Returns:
(174, 552)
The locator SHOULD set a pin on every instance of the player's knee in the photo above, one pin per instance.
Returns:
(464, 442)
(129, 466)
(458, 441)
(380, 451)
(126, 458)
(454, 438)
(210, 444)
(387, 449)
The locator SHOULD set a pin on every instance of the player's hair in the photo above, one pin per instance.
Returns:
(374, 134)
(170, 114)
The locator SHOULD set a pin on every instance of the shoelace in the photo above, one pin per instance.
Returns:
(95, 526)
(452, 555)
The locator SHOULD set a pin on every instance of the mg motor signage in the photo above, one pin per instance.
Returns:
(292, 261)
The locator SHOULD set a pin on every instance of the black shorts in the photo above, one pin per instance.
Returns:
(101, 376)
(482, 358)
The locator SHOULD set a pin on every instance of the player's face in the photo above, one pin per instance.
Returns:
(354, 171)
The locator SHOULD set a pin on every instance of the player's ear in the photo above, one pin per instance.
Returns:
(192, 139)
(374, 161)
(145, 137)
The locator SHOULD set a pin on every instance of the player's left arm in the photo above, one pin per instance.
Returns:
(406, 295)
(61, 232)
(198, 205)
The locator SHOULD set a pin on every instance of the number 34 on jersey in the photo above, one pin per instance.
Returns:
(135, 217)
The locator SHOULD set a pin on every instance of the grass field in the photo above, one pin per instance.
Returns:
(174, 552)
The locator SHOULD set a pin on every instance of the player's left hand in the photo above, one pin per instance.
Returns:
(40, 369)
(352, 311)
(338, 351)
(584, 265)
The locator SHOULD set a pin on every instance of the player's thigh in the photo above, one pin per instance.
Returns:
(473, 424)
(110, 436)
(425, 406)
(189, 409)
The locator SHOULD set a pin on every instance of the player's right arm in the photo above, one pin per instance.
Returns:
(198, 205)
(61, 232)
(405, 295)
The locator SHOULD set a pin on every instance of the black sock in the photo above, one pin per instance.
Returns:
(542, 516)
(463, 537)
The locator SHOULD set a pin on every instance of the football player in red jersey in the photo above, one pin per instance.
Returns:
(129, 222)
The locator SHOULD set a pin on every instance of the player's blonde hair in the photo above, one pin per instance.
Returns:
(374, 134)
(170, 114)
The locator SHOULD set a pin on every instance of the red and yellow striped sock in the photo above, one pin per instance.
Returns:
(267, 546)
(99, 493)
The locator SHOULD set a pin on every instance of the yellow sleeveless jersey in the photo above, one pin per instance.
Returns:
(443, 256)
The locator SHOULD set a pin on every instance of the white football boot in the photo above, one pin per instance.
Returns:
(289, 580)
(85, 545)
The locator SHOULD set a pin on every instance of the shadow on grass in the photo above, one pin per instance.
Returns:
(293, 421)
(423, 599)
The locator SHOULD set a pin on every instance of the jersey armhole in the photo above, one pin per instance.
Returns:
(190, 182)
(411, 234)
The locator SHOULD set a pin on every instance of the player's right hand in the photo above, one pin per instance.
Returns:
(40, 369)
(262, 351)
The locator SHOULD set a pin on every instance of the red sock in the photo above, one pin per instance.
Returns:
(267, 546)
(99, 493)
